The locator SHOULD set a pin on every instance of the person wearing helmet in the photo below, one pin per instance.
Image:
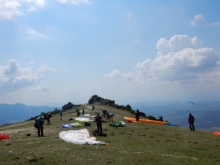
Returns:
(39, 122)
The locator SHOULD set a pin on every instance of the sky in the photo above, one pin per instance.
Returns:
(57, 51)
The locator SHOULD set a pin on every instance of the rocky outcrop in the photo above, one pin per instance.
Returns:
(68, 106)
(97, 99)
(100, 100)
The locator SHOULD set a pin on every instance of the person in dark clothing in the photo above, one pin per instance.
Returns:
(47, 117)
(39, 122)
(61, 114)
(191, 120)
(98, 120)
(104, 113)
(83, 112)
(160, 118)
(77, 112)
(93, 108)
(107, 115)
(137, 115)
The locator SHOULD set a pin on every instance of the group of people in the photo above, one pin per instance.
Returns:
(39, 121)
(78, 112)
(105, 114)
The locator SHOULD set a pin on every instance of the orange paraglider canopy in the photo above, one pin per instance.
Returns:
(217, 133)
(3, 136)
(133, 120)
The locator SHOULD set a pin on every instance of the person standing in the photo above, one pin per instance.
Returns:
(191, 120)
(137, 114)
(98, 120)
(83, 112)
(61, 114)
(77, 112)
(39, 122)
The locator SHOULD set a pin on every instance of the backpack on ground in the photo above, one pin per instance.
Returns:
(87, 124)
(95, 132)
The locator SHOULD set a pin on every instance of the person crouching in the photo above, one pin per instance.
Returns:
(39, 122)
(47, 117)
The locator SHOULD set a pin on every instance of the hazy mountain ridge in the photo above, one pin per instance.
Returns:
(13, 113)
(206, 113)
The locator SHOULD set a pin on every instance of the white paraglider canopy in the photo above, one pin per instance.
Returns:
(79, 137)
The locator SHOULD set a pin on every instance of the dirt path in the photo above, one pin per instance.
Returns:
(12, 131)
(14, 128)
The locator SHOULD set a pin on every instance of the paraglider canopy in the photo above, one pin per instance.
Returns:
(3, 136)
(188, 102)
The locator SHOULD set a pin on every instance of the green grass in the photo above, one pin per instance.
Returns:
(137, 143)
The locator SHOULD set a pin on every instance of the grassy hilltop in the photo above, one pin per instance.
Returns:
(137, 143)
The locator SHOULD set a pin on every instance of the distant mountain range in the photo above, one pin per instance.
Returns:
(13, 113)
(207, 114)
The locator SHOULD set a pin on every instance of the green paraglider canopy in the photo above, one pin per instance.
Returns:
(117, 124)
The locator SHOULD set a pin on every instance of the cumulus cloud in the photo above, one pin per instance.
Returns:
(75, 2)
(177, 43)
(13, 77)
(114, 73)
(180, 58)
(35, 5)
(35, 33)
(9, 9)
(196, 19)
